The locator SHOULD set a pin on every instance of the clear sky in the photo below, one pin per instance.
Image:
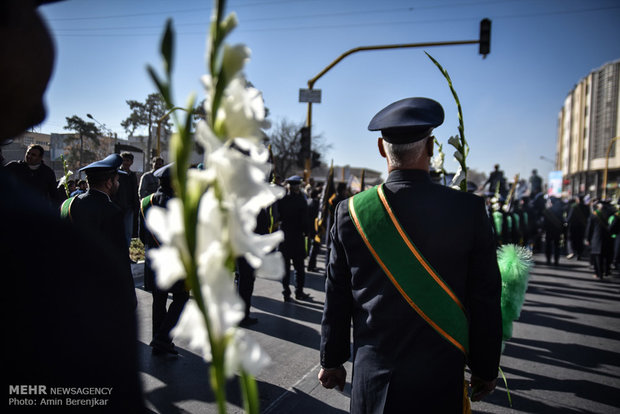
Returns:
(539, 50)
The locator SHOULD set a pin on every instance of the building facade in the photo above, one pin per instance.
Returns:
(588, 127)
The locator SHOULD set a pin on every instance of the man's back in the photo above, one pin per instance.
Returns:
(399, 359)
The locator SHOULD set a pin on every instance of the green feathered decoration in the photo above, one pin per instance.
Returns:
(514, 265)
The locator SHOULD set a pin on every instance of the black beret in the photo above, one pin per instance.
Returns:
(110, 163)
(407, 120)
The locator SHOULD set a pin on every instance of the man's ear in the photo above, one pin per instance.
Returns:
(429, 145)
(109, 183)
(380, 145)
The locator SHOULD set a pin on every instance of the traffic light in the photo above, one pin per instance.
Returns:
(485, 37)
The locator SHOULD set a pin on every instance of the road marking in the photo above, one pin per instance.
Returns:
(289, 390)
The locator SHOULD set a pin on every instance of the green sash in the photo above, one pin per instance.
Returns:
(145, 203)
(65, 208)
(408, 271)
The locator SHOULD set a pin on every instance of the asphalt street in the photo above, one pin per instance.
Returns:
(564, 356)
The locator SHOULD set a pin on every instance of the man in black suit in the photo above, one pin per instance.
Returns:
(164, 317)
(293, 210)
(94, 212)
(400, 358)
(71, 326)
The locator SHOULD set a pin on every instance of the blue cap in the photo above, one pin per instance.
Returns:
(164, 172)
(294, 179)
(110, 163)
(407, 120)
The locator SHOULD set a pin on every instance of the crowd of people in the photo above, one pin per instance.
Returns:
(409, 251)
(578, 227)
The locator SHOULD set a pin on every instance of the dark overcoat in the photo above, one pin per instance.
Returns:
(598, 234)
(294, 223)
(71, 318)
(399, 361)
(95, 214)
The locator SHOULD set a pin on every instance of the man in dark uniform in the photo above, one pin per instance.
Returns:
(245, 275)
(400, 359)
(95, 213)
(164, 317)
(553, 226)
(496, 182)
(127, 196)
(293, 211)
(598, 237)
(535, 183)
(577, 220)
(71, 326)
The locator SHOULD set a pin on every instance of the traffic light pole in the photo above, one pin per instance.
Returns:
(484, 42)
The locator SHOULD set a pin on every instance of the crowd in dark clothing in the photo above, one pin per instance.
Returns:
(577, 228)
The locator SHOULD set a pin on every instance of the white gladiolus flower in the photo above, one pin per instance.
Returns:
(246, 353)
(458, 177)
(272, 266)
(244, 110)
(63, 179)
(234, 58)
(191, 326)
(167, 226)
(222, 201)
(437, 161)
(454, 141)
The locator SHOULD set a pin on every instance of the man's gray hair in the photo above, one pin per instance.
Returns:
(400, 154)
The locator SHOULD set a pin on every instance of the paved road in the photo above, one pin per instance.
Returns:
(564, 356)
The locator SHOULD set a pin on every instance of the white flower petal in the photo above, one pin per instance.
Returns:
(272, 267)
(245, 353)
(167, 264)
(192, 327)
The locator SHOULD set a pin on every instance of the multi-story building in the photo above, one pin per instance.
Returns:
(588, 128)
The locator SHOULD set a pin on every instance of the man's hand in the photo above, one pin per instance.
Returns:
(330, 378)
(480, 388)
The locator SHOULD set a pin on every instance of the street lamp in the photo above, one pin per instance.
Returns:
(104, 128)
(542, 157)
(484, 42)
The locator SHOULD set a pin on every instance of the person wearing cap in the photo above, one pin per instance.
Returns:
(164, 317)
(70, 326)
(294, 223)
(413, 266)
(95, 213)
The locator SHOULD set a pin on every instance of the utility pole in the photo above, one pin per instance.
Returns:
(311, 96)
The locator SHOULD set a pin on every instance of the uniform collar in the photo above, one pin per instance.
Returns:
(99, 193)
(409, 175)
